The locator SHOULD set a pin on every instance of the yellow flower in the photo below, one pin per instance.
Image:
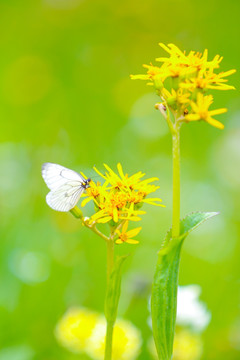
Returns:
(126, 341)
(126, 236)
(75, 327)
(180, 97)
(201, 112)
(155, 75)
(194, 60)
(119, 198)
(182, 76)
(81, 330)
(128, 183)
(121, 195)
(209, 80)
(110, 212)
(187, 346)
(92, 192)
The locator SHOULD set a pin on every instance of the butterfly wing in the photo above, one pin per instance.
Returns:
(65, 198)
(66, 186)
(56, 175)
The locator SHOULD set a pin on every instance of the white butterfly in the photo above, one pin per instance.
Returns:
(66, 186)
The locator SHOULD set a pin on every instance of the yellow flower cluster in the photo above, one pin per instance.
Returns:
(182, 81)
(82, 331)
(118, 201)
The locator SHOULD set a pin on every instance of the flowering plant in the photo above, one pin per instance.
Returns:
(181, 82)
(117, 202)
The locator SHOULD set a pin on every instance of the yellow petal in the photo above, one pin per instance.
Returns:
(115, 215)
(164, 47)
(152, 202)
(227, 73)
(192, 117)
(125, 226)
(85, 201)
(139, 77)
(119, 241)
(104, 219)
(133, 232)
(99, 214)
(120, 170)
(111, 172)
(132, 241)
(217, 112)
(99, 173)
(132, 218)
(83, 175)
(215, 123)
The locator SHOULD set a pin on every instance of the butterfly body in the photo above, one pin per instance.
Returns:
(66, 186)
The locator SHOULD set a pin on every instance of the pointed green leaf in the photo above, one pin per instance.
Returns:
(193, 220)
(165, 285)
(188, 224)
(114, 290)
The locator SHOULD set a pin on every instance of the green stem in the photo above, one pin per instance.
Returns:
(176, 180)
(110, 324)
(108, 341)
(110, 257)
(77, 213)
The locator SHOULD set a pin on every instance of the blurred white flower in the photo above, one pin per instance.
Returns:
(190, 310)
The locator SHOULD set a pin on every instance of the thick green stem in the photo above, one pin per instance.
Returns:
(176, 181)
(110, 324)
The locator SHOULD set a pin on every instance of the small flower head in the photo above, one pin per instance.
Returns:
(119, 199)
(127, 236)
(189, 77)
(200, 111)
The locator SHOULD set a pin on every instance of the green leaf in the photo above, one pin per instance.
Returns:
(165, 284)
(114, 290)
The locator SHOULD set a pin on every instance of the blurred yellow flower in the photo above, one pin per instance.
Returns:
(187, 346)
(126, 341)
(126, 236)
(200, 111)
(81, 330)
(75, 327)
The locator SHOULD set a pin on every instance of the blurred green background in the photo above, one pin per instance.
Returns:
(66, 97)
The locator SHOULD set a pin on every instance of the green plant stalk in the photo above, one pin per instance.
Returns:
(176, 180)
(110, 258)
(108, 341)
(165, 285)
(110, 323)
